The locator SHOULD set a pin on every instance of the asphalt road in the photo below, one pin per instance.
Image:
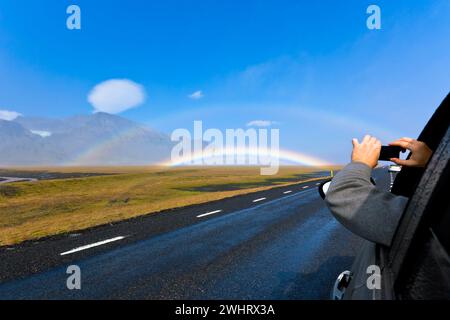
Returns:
(277, 244)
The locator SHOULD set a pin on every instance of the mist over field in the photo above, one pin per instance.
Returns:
(97, 139)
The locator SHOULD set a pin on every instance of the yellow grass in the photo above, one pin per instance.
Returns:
(31, 210)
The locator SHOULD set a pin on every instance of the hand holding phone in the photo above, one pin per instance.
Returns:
(420, 152)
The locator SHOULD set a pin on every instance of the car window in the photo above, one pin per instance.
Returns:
(407, 180)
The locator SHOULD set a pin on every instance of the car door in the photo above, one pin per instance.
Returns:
(418, 262)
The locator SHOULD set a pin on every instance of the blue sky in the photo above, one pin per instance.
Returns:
(311, 67)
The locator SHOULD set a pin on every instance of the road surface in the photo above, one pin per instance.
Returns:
(277, 244)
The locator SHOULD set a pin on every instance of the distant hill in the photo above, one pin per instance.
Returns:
(97, 139)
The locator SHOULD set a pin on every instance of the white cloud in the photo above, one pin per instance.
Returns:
(197, 95)
(261, 123)
(43, 134)
(116, 95)
(9, 115)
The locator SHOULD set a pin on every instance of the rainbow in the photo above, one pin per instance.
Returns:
(96, 152)
(284, 155)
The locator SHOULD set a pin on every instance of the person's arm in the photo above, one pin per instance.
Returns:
(365, 210)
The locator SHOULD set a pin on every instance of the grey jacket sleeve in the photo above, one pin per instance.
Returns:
(362, 208)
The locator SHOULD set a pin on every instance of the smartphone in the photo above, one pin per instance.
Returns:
(388, 152)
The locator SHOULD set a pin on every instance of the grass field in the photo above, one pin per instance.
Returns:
(78, 198)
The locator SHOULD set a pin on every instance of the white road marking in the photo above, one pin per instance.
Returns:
(305, 187)
(208, 213)
(92, 245)
(286, 192)
(260, 199)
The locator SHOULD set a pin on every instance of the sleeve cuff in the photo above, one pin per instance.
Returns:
(359, 168)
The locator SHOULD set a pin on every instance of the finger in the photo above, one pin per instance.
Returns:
(400, 161)
(400, 143)
(377, 147)
(366, 139)
(395, 141)
(373, 140)
(355, 142)
(406, 139)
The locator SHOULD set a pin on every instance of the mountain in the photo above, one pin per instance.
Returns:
(97, 139)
